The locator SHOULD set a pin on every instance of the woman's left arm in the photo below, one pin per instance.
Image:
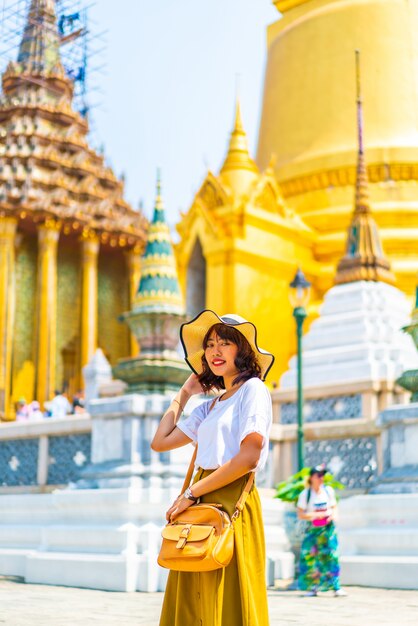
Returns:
(242, 463)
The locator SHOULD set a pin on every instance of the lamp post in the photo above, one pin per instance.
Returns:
(299, 297)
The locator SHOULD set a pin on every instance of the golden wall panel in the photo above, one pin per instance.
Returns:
(23, 338)
(68, 314)
(113, 336)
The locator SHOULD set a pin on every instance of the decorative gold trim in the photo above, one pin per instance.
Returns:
(346, 176)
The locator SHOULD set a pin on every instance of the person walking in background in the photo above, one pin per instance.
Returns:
(319, 568)
(232, 434)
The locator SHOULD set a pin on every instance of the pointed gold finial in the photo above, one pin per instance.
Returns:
(364, 257)
(159, 204)
(238, 156)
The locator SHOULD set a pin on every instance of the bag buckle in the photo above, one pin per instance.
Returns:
(235, 515)
(183, 536)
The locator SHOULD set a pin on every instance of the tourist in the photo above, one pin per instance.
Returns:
(232, 436)
(22, 410)
(319, 568)
(59, 406)
(78, 402)
(35, 412)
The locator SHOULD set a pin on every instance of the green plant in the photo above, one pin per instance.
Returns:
(290, 489)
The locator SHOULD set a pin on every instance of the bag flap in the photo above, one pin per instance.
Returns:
(198, 532)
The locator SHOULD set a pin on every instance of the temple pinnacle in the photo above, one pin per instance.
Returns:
(158, 286)
(39, 49)
(238, 156)
(364, 258)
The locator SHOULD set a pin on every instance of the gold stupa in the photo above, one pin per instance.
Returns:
(308, 122)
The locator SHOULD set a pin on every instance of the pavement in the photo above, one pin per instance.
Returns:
(43, 605)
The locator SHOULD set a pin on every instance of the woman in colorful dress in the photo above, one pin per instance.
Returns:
(232, 438)
(319, 568)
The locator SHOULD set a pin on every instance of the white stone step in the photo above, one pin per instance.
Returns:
(80, 538)
(395, 572)
(92, 571)
(380, 541)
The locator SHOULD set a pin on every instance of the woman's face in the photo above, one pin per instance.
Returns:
(220, 355)
(316, 481)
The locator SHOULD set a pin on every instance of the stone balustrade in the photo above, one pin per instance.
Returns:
(39, 455)
(340, 428)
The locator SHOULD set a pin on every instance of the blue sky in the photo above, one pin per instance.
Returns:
(169, 90)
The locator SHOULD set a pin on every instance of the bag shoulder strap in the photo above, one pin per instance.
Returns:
(241, 502)
(189, 474)
(244, 495)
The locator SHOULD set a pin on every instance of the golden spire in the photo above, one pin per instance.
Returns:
(238, 156)
(364, 258)
(39, 49)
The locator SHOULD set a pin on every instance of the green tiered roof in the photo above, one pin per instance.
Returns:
(159, 288)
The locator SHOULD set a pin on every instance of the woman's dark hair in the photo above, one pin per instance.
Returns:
(245, 361)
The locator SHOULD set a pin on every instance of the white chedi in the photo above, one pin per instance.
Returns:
(357, 337)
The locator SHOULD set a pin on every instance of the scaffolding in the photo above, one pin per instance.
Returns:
(81, 47)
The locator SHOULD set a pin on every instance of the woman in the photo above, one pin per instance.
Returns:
(319, 568)
(232, 438)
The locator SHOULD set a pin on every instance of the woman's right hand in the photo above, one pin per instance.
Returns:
(192, 385)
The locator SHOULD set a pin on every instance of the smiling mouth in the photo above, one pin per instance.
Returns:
(218, 362)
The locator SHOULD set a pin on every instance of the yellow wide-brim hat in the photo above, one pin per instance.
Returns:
(192, 334)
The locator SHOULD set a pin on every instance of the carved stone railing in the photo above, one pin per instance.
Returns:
(340, 428)
(38, 456)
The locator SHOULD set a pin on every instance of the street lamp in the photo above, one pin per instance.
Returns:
(299, 297)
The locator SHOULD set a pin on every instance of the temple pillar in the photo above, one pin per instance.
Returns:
(8, 227)
(133, 260)
(46, 314)
(89, 297)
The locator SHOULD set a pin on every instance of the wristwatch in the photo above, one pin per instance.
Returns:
(188, 494)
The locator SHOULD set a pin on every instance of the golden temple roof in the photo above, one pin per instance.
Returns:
(47, 168)
(364, 258)
(224, 201)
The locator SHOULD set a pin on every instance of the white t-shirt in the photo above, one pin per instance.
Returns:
(219, 433)
(321, 501)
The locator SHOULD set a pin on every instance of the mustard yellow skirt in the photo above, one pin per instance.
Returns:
(235, 595)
